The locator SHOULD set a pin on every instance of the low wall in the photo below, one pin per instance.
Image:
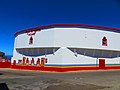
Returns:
(62, 68)
(5, 64)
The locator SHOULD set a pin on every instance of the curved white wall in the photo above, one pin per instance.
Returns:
(70, 37)
(65, 39)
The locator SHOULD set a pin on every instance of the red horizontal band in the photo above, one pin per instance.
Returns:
(62, 69)
(66, 25)
(5, 64)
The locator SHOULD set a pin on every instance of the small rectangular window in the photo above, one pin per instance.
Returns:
(104, 41)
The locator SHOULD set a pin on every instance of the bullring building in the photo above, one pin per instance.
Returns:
(68, 47)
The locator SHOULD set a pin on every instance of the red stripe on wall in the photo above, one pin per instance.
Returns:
(66, 25)
(62, 69)
(56, 69)
(5, 64)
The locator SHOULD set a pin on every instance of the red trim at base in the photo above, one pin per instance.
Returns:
(61, 69)
(5, 64)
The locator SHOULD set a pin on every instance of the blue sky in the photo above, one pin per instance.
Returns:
(17, 15)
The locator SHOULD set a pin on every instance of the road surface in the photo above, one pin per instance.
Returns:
(82, 80)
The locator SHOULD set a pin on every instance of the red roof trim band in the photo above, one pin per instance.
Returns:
(67, 25)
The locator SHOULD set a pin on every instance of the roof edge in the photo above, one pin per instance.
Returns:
(67, 25)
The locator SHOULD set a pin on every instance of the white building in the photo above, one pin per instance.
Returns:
(69, 46)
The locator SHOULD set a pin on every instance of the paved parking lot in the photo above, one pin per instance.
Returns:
(82, 80)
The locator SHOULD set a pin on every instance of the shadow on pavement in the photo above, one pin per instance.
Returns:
(1, 73)
(3, 86)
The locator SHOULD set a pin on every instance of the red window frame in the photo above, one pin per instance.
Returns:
(104, 41)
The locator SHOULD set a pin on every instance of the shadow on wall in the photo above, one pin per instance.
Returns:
(36, 51)
(96, 53)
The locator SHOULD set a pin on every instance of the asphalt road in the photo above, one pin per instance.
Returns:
(82, 80)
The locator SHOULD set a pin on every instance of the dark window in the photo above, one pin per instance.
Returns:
(104, 41)
(31, 40)
(46, 60)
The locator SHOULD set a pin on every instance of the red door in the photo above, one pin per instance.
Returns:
(101, 63)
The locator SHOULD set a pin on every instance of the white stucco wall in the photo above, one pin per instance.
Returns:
(86, 38)
(72, 38)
